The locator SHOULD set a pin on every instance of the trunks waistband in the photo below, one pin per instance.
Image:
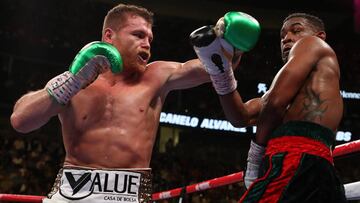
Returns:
(139, 170)
(299, 144)
(306, 129)
(89, 184)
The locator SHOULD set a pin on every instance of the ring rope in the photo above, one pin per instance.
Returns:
(347, 148)
(205, 185)
(339, 150)
(21, 198)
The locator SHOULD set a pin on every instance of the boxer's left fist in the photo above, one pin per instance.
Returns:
(214, 45)
(216, 55)
(214, 52)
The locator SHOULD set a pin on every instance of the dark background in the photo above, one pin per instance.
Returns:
(39, 38)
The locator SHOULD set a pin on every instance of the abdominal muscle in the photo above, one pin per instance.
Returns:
(107, 148)
(110, 130)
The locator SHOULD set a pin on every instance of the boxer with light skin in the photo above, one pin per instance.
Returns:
(109, 106)
(296, 120)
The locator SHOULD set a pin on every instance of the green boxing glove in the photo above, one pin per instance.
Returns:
(239, 29)
(93, 59)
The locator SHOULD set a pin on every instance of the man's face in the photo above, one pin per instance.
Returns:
(291, 31)
(133, 42)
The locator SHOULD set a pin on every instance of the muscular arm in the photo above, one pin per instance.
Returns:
(33, 110)
(303, 57)
(240, 114)
(191, 73)
(187, 75)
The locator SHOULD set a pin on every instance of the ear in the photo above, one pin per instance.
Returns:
(321, 34)
(108, 35)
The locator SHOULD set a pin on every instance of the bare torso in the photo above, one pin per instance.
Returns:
(319, 99)
(305, 89)
(113, 124)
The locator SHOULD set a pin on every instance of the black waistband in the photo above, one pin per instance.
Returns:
(306, 129)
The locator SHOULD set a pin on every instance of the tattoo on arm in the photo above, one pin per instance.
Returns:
(313, 106)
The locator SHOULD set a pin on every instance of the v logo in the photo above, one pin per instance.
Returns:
(76, 185)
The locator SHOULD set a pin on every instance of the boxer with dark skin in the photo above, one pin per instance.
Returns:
(299, 114)
(306, 88)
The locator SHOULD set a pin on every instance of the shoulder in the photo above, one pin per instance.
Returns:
(315, 52)
(313, 45)
(161, 69)
(169, 65)
(165, 68)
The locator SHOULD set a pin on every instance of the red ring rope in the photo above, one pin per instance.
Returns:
(347, 148)
(339, 150)
(213, 183)
(21, 198)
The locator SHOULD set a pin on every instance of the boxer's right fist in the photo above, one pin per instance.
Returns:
(92, 60)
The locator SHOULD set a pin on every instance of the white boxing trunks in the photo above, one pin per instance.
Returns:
(84, 185)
